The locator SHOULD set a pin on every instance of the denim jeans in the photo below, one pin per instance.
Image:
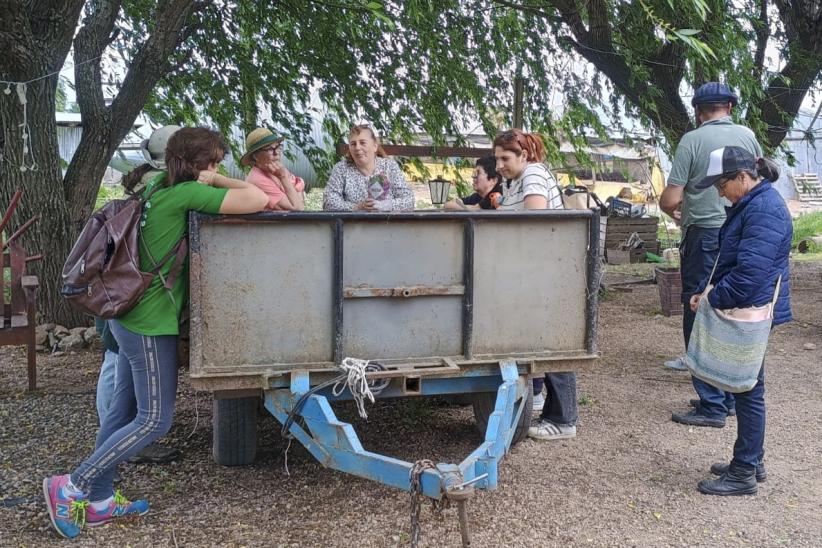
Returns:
(141, 410)
(749, 449)
(697, 254)
(561, 400)
(105, 383)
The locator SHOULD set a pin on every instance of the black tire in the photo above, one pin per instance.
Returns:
(484, 405)
(458, 400)
(235, 431)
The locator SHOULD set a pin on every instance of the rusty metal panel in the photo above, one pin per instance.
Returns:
(265, 293)
(399, 328)
(407, 255)
(530, 285)
(276, 292)
(399, 253)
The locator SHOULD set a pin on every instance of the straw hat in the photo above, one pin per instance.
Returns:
(256, 140)
(154, 148)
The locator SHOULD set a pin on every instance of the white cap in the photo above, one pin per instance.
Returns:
(154, 148)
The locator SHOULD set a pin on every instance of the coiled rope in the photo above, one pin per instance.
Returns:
(354, 378)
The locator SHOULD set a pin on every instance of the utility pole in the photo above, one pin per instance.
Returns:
(519, 86)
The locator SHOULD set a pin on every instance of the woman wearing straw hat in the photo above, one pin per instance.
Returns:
(284, 189)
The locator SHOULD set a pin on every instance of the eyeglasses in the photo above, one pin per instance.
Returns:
(721, 183)
(272, 150)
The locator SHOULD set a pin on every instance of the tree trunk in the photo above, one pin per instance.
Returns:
(43, 194)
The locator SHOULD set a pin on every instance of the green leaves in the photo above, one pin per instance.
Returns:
(445, 68)
(686, 36)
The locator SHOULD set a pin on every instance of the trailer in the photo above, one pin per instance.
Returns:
(447, 303)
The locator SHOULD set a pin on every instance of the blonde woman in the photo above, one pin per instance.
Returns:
(366, 180)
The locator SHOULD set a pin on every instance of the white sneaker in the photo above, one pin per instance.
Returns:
(539, 402)
(677, 364)
(546, 430)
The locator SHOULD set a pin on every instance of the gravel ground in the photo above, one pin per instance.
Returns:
(628, 479)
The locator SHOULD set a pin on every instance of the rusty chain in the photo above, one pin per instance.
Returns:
(437, 506)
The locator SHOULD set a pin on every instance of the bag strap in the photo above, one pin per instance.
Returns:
(713, 270)
(179, 252)
(776, 293)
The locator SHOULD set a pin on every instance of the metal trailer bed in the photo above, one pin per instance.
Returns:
(449, 303)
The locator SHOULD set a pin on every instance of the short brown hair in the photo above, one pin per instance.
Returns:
(517, 140)
(356, 130)
(191, 150)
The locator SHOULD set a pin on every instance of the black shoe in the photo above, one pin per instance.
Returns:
(695, 404)
(156, 454)
(761, 474)
(695, 418)
(734, 482)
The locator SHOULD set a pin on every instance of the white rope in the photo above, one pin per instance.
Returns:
(69, 67)
(28, 163)
(356, 382)
(196, 414)
(25, 133)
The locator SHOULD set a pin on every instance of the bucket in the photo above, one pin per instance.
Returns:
(669, 283)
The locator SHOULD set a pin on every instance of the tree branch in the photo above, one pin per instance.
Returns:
(15, 34)
(523, 8)
(600, 26)
(786, 91)
(762, 28)
(107, 126)
(597, 47)
(89, 45)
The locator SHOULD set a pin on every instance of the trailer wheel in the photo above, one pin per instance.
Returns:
(484, 405)
(235, 431)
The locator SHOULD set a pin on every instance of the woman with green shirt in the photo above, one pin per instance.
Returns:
(146, 374)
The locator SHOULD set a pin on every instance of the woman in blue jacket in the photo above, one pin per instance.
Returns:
(755, 242)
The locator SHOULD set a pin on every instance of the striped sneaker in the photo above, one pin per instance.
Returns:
(67, 512)
(119, 507)
(546, 430)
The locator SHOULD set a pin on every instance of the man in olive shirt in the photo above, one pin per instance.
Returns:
(701, 214)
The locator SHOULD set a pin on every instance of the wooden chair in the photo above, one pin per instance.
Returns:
(19, 292)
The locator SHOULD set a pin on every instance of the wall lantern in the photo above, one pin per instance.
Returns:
(439, 189)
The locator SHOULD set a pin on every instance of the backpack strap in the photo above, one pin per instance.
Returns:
(179, 252)
(179, 260)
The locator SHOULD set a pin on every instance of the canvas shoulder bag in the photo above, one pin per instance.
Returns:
(727, 347)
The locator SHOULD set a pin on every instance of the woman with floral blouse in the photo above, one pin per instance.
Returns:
(366, 180)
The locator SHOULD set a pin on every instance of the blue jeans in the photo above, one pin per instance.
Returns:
(105, 383)
(749, 449)
(697, 254)
(141, 410)
(561, 400)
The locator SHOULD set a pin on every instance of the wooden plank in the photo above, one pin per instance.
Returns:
(414, 151)
(642, 234)
(356, 292)
(622, 226)
(623, 237)
(3, 282)
(18, 265)
(19, 320)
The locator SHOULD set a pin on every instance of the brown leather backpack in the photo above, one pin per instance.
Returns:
(102, 275)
